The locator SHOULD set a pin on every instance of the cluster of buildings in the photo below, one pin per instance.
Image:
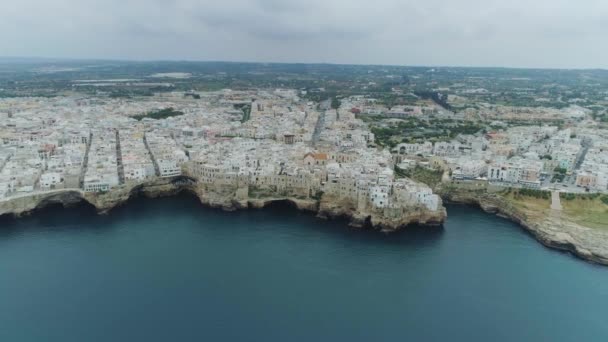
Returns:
(167, 156)
(574, 158)
(134, 161)
(261, 143)
(101, 170)
(288, 147)
(593, 171)
(38, 152)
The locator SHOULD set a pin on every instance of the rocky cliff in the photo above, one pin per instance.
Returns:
(552, 230)
(227, 198)
(22, 205)
(388, 219)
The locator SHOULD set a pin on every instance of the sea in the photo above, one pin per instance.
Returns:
(170, 269)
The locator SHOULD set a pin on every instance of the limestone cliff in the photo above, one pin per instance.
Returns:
(552, 230)
(21, 205)
(387, 219)
(228, 198)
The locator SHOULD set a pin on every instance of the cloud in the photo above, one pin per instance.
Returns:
(539, 33)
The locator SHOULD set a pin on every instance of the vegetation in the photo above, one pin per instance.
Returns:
(533, 206)
(335, 103)
(317, 195)
(389, 85)
(519, 193)
(246, 108)
(559, 175)
(319, 96)
(421, 174)
(440, 99)
(571, 196)
(120, 92)
(560, 170)
(412, 130)
(159, 114)
(589, 211)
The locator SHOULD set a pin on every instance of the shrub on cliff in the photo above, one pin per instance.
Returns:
(534, 193)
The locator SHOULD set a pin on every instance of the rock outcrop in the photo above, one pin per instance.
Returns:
(388, 219)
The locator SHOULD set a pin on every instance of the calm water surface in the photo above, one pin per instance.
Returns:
(170, 270)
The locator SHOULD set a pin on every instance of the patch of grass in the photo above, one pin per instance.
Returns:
(422, 175)
(587, 210)
(532, 206)
(590, 212)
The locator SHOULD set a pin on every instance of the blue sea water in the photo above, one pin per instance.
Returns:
(170, 270)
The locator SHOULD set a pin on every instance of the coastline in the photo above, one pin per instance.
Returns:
(585, 243)
(553, 231)
(220, 198)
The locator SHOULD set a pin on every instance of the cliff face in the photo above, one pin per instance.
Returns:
(227, 198)
(388, 219)
(553, 230)
(22, 205)
(105, 202)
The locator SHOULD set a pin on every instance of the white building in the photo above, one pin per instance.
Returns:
(50, 180)
(169, 168)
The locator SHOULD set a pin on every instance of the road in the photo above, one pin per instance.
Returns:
(120, 167)
(581, 157)
(316, 135)
(325, 105)
(154, 162)
(555, 201)
(85, 162)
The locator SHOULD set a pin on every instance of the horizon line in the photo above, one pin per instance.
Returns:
(186, 60)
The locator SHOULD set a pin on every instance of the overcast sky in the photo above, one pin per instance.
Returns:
(517, 33)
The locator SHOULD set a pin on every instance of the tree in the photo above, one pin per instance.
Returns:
(335, 103)
(560, 170)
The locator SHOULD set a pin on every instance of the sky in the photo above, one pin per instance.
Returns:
(507, 33)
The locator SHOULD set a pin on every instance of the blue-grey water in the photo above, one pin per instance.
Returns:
(171, 270)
